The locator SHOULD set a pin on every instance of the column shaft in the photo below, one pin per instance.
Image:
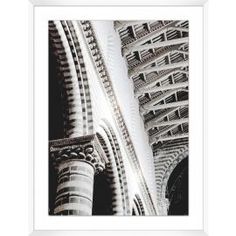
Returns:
(75, 188)
(76, 161)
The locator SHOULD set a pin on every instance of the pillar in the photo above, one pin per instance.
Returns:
(76, 165)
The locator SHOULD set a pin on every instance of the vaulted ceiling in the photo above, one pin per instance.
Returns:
(157, 57)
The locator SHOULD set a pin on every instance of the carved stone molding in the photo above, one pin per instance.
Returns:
(103, 73)
(83, 148)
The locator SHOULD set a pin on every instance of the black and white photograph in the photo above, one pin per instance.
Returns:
(118, 117)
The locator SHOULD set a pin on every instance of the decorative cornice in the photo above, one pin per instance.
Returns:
(101, 67)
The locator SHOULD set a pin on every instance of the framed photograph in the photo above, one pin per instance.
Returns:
(117, 117)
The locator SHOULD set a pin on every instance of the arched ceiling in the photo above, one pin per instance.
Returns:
(156, 53)
(157, 57)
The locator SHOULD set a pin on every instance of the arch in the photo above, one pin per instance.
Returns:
(138, 208)
(103, 72)
(71, 85)
(163, 171)
(170, 169)
(114, 171)
(177, 189)
(73, 80)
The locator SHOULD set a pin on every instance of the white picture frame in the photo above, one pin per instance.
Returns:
(33, 6)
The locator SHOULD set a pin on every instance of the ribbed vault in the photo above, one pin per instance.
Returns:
(157, 57)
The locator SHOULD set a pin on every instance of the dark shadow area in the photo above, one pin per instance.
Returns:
(102, 197)
(55, 121)
(52, 187)
(55, 108)
(177, 189)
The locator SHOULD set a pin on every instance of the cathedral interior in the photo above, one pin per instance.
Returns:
(118, 117)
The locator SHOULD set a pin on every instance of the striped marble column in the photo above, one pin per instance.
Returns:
(76, 166)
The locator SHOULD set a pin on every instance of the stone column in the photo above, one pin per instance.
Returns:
(76, 162)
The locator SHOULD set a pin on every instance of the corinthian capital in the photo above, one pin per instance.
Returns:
(81, 149)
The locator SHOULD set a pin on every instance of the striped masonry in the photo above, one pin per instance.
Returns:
(118, 167)
(75, 188)
(140, 204)
(75, 179)
(74, 81)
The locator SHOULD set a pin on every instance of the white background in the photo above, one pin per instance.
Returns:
(14, 118)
